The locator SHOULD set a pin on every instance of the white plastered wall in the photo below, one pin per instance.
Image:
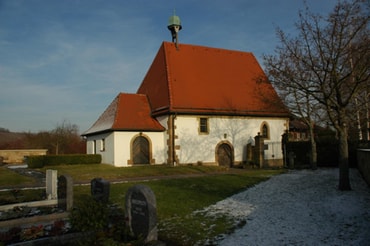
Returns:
(238, 131)
(194, 147)
(122, 145)
(117, 150)
(94, 145)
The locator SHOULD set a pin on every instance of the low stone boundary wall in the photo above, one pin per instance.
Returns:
(17, 155)
(363, 163)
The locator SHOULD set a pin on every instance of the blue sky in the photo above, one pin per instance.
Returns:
(67, 60)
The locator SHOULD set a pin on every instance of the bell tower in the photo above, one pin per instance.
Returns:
(174, 25)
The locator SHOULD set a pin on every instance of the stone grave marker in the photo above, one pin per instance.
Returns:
(141, 211)
(51, 184)
(291, 157)
(65, 192)
(100, 190)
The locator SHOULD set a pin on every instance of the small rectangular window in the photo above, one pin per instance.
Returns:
(94, 147)
(203, 125)
(102, 146)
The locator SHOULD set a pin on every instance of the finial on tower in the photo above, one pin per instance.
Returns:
(174, 25)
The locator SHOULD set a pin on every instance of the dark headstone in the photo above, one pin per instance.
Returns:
(100, 190)
(291, 157)
(141, 210)
(65, 192)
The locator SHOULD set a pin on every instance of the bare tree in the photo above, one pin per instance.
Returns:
(62, 136)
(305, 107)
(329, 62)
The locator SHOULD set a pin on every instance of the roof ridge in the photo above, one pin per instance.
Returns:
(104, 118)
(209, 48)
(120, 95)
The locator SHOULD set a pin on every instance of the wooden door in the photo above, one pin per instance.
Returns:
(141, 150)
(225, 155)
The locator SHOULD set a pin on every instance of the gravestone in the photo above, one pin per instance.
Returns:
(65, 192)
(291, 157)
(259, 150)
(141, 210)
(100, 190)
(51, 184)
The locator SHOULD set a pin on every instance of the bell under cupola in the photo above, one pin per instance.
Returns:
(174, 25)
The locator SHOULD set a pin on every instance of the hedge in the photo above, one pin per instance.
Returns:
(54, 160)
(35, 161)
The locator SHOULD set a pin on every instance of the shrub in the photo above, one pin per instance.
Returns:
(54, 160)
(89, 215)
(106, 222)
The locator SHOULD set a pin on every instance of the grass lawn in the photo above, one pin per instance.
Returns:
(177, 199)
(85, 173)
(11, 178)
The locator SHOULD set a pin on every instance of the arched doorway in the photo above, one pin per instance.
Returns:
(140, 150)
(225, 155)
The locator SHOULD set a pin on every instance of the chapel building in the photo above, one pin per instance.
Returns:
(196, 105)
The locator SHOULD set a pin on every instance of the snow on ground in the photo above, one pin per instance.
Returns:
(300, 208)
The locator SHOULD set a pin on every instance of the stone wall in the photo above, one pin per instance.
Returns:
(363, 163)
(18, 155)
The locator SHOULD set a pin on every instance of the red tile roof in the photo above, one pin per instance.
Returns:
(126, 112)
(193, 80)
(202, 80)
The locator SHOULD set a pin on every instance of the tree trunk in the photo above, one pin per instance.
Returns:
(344, 183)
(57, 148)
(313, 156)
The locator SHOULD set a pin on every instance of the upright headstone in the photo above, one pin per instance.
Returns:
(259, 150)
(51, 184)
(65, 192)
(249, 152)
(100, 189)
(291, 157)
(141, 210)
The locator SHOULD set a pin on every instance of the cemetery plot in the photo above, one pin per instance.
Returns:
(39, 219)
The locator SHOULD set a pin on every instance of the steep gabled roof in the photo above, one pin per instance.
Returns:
(202, 80)
(127, 112)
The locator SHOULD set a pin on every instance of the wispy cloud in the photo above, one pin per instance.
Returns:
(69, 59)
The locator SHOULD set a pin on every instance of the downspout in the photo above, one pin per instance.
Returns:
(173, 140)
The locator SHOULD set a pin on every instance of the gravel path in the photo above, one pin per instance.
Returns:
(300, 208)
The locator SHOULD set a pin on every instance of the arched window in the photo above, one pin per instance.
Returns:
(265, 131)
